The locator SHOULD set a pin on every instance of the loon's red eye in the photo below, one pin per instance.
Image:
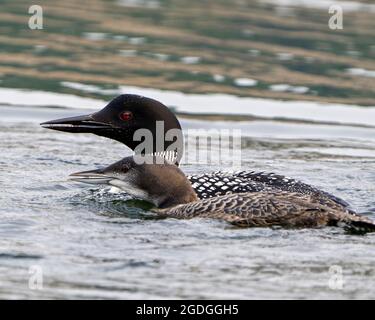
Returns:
(126, 116)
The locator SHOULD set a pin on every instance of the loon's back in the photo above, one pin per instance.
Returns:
(208, 185)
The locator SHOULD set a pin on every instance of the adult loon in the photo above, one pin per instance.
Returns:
(166, 186)
(127, 113)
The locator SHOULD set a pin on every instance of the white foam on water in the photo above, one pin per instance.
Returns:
(89, 88)
(44, 98)
(190, 60)
(285, 56)
(128, 53)
(201, 104)
(347, 6)
(151, 4)
(159, 56)
(218, 77)
(137, 40)
(245, 82)
(254, 52)
(267, 108)
(95, 36)
(361, 72)
(288, 88)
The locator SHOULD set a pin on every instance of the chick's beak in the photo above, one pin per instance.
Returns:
(91, 177)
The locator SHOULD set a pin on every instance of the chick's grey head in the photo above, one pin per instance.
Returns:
(149, 178)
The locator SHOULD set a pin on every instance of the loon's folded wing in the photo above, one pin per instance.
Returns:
(259, 209)
(218, 183)
(264, 209)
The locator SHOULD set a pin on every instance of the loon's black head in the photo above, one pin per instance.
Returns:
(149, 178)
(122, 120)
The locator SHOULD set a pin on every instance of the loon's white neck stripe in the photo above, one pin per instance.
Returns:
(171, 156)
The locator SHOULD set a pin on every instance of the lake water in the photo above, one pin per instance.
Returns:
(91, 243)
(296, 85)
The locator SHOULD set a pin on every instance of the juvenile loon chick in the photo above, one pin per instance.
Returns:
(166, 186)
(127, 113)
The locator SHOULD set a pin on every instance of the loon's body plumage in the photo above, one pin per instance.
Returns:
(219, 183)
(127, 113)
(265, 209)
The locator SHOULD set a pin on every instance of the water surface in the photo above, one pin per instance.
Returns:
(91, 243)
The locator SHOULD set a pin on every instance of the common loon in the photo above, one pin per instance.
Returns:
(127, 113)
(166, 186)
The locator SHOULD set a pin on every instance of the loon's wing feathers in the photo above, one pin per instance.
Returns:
(245, 206)
(284, 183)
(218, 183)
(264, 209)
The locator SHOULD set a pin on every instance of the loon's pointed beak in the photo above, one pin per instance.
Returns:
(80, 124)
(91, 177)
